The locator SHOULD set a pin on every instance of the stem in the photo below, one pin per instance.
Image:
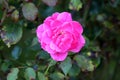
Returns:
(86, 10)
(47, 69)
(116, 67)
(49, 65)
(4, 16)
(5, 3)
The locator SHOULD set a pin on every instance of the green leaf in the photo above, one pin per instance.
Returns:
(30, 11)
(97, 61)
(13, 74)
(57, 76)
(43, 55)
(41, 76)
(30, 74)
(66, 65)
(5, 66)
(84, 63)
(34, 41)
(16, 52)
(11, 33)
(50, 2)
(75, 4)
(52, 63)
(94, 58)
(74, 71)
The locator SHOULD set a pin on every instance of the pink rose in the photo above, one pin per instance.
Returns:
(59, 34)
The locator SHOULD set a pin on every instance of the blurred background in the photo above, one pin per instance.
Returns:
(21, 57)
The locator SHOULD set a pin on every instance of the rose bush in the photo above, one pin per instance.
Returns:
(59, 34)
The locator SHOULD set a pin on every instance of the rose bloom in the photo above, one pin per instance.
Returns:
(59, 34)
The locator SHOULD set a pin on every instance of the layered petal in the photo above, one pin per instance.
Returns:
(39, 32)
(55, 15)
(54, 47)
(59, 56)
(64, 16)
(76, 46)
(77, 26)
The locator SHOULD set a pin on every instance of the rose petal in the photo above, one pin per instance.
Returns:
(54, 47)
(46, 39)
(82, 40)
(55, 24)
(64, 16)
(76, 47)
(47, 29)
(55, 15)
(49, 19)
(66, 40)
(48, 49)
(39, 31)
(59, 56)
(77, 26)
(67, 27)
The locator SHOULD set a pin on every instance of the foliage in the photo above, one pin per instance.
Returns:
(21, 56)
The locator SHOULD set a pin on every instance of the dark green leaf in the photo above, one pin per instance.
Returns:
(43, 55)
(5, 66)
(41, 76)
(84, 63)
(52, 63)
(16, 52)
(34, 41)
(66, 65)
(74, 71)
(30, 74)
(57, 76)
(96, 61)
(11, 33)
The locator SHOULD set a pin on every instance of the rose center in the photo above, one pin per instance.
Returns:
(61, 33)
